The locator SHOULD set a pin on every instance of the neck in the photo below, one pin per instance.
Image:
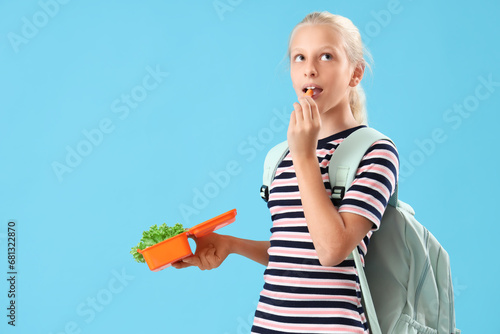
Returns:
(337, 119)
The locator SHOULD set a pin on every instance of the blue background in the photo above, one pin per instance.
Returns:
(218, 105)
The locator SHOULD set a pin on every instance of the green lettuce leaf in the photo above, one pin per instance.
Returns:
(155, 235)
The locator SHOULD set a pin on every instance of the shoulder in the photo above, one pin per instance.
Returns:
(381, 160)
(382, 149)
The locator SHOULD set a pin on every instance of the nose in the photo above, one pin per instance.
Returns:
(310, 70)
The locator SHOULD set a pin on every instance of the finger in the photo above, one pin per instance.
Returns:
(193, 261)
(293, 119)
(212, 259)
(306, 107)
(298, 113)
(314, 107)
(203, 258)
(315, 113)
(181, 265)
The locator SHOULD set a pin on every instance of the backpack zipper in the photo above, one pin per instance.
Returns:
(424, 274)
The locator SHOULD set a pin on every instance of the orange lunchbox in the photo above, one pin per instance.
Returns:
(163, 254)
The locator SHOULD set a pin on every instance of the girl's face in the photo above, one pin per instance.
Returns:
(318, 59)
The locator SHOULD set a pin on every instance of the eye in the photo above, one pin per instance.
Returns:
(298, 58)
(326, 56)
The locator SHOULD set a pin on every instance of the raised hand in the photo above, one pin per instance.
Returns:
(303, 130)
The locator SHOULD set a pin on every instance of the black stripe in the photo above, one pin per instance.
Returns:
(311, 291)
(370, 191)
(286, 202)
(285, 175)
(378, 177)
(308, 303)
(379, 161)
(309, 320)
(291, 244)
(295, 214)
(260, 330)
(295, 260)
(366, 240)
(300, 229)
(383, 146)
(285, 163)
(328, 156)
(281, 189)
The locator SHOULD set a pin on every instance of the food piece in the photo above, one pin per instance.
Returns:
(309, 92)
(155, 235)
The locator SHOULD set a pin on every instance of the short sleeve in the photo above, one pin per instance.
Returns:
(374, 183)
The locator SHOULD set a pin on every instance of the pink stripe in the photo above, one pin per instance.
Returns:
(381, 169)
(291, 236)
(284, 182)
(383, 150)
(362, 244)
(290, 222)
(281, 170)
(289, 195)
(277, 209)
(367, 198)
(308, 311)
(381, 188)
(312, 282)
(323, 152)
(306, 327)
(289, 251)
(354, 209)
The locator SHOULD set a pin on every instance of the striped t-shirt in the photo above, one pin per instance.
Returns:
(300, 295)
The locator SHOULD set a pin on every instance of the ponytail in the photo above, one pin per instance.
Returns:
(357, 102)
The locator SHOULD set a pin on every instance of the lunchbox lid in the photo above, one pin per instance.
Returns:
(213, 224)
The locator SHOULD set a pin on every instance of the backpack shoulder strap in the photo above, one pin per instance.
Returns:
(346, 158)
(341, 171)
(368, 304)
(273, 159)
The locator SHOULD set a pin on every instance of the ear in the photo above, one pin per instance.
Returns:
(357, 75)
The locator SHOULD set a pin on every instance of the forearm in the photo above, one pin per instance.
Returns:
(325, 224)
(254, 250)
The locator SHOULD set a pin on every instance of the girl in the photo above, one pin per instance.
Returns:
(310, 286)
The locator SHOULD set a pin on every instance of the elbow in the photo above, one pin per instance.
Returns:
(331, 258)
(330, 261)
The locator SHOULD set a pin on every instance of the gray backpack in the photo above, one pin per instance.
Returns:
(406, 283)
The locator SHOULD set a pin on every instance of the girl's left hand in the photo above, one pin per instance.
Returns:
(305, 123)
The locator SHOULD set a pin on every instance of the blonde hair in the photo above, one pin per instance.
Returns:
(355, 50)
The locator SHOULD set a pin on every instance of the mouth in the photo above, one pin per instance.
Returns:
(316, 90)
